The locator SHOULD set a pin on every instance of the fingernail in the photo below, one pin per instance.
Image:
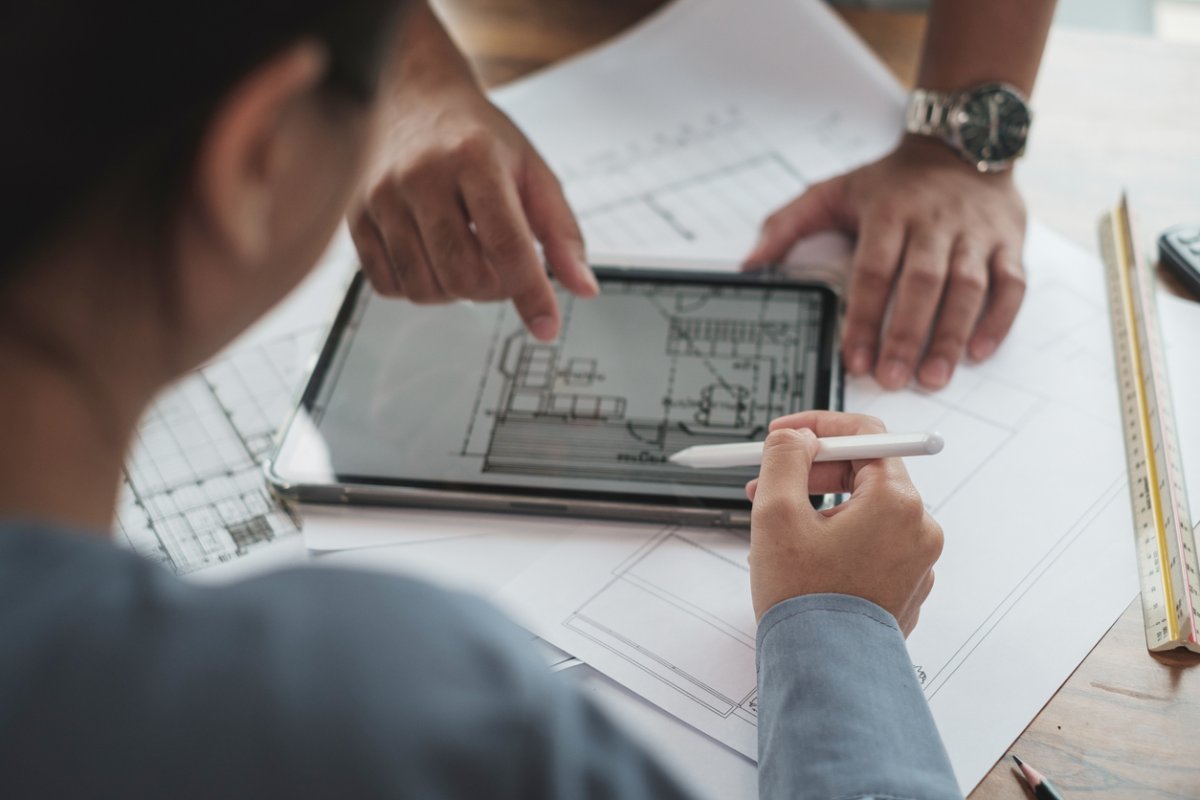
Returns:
(590, 277)
(936, 371)
(983, 349)
(894, 374)
(860, 360)
(544, 327)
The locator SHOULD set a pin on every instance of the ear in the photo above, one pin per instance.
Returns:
(246, 148)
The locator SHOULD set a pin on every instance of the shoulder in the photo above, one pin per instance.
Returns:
(312, 681)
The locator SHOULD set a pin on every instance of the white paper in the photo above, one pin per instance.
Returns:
(677, 140)
(194, 498)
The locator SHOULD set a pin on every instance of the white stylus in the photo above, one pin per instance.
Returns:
(832, 448)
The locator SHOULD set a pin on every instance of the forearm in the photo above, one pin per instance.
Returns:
(425, 53)
(969, 42)
(840, 711)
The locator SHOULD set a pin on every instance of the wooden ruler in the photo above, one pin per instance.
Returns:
(1165, 541)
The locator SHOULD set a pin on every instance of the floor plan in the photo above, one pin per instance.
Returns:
(715, 364)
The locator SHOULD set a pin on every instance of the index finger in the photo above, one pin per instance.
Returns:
(508, 245)
(783, 483)
(842, 476)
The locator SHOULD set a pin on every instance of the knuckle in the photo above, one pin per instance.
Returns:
(933, 541)
(507, 248)
(948, 344)
(924, 277)
(876, 274)
(472, 146)
(903, 343)
(966, 275)
(459, 282)
(774, 509)
(444, 239)
(869, 424)
(908, 507)
(1010, 271)
(889, 214)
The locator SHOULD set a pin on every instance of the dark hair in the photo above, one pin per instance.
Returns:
(97, 95)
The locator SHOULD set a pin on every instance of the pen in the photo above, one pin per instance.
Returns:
(1042, 788)
(832, 448)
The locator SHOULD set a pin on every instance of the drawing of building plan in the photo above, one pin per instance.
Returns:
(689, 164)
(194, 496)
(719, 364)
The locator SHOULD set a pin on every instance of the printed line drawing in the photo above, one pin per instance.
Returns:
(681, 583)
(715, 376)
(714, 177)
(194, 493)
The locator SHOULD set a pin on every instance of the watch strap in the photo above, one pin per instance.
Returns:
(927, 112)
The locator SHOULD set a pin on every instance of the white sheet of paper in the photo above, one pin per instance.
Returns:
(681, 136)
(709, 769)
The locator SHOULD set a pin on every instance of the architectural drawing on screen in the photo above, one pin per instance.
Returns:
(708, 373)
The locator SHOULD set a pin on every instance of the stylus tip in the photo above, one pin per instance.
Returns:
(680, 458)
(934, 443)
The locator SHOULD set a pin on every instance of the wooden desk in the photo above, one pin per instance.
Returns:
(1112, 111)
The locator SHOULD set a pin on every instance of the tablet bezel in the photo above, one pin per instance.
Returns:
(680, 509)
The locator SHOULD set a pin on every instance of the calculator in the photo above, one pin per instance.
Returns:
(1179, 252)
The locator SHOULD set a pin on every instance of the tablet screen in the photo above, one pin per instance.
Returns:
(461, 396)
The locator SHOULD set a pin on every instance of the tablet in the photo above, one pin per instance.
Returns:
(457, 406)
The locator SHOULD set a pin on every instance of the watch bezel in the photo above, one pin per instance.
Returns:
(956, 116)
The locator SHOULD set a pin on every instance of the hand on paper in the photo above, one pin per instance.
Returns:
(938, 242)
(456, 205)
(879, 545)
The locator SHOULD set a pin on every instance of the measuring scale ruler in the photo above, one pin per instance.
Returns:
(1165, 540)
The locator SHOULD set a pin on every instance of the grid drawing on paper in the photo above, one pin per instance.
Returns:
(712, 178)
(194, 493)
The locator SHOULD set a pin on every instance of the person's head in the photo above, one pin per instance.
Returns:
(171, 169)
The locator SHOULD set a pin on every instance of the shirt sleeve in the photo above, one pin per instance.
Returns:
(841, 714)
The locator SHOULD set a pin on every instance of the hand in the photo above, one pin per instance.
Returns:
(937, 240)
(879, 545)
(456, 205)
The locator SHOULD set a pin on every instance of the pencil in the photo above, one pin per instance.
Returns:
(1042, 788)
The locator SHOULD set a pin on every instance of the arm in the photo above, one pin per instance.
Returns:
(840, 711)
(938, 242)
(458, 199)
(841, 714)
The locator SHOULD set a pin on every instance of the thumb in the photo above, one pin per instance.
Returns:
(812, 212)
(554, 224)
(788, 455)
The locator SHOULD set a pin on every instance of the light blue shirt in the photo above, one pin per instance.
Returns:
(118, 679)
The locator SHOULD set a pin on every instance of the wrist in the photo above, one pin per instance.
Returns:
(930, 152)
(428, 59)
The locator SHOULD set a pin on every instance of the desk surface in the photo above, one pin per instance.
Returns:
(1112, 111)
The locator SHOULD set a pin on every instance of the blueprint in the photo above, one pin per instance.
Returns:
(193, 496)
(716, 366)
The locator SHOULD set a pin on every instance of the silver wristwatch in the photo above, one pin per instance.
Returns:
(986, 125)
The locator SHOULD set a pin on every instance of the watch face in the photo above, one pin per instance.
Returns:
(993, 123)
